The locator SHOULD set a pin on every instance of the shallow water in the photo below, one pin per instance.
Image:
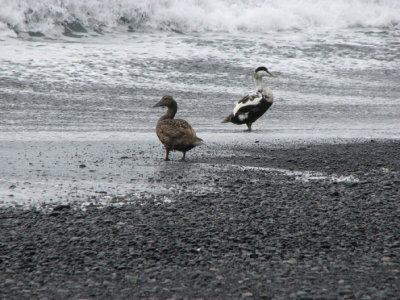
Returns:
(43, 174)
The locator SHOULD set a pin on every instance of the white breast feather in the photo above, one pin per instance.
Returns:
(267, 93)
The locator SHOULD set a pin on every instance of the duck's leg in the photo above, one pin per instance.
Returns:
(248, 127)
(184, 156)
(166, 155)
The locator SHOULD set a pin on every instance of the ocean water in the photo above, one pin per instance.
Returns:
(98, 66)
(75, 70)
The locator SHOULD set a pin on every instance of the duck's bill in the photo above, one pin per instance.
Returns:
(156, 105)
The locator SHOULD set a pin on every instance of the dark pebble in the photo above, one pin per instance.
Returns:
(62, 207)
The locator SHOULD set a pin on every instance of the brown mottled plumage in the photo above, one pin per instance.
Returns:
(175, 134)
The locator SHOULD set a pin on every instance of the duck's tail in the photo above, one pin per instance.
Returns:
(228, 119)
(198, 142)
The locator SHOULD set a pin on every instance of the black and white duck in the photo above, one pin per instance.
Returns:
(253, 106)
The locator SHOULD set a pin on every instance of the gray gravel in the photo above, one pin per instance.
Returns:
(257, 233)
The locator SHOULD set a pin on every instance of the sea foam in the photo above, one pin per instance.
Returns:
(75, 17)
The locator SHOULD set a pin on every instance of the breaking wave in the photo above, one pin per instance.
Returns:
(53, 18)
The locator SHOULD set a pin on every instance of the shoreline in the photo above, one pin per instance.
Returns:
(227, 231)
(80, 172)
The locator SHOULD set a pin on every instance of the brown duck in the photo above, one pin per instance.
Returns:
(175, 134)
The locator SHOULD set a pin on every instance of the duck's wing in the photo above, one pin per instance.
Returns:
(246, 99)
(175, 129)
(247, 103)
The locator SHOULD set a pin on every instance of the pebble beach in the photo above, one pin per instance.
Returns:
(253, 225)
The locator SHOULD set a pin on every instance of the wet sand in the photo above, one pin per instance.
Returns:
(257, 220)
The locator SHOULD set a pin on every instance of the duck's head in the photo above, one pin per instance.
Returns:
(261, 72)
(166, 101)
